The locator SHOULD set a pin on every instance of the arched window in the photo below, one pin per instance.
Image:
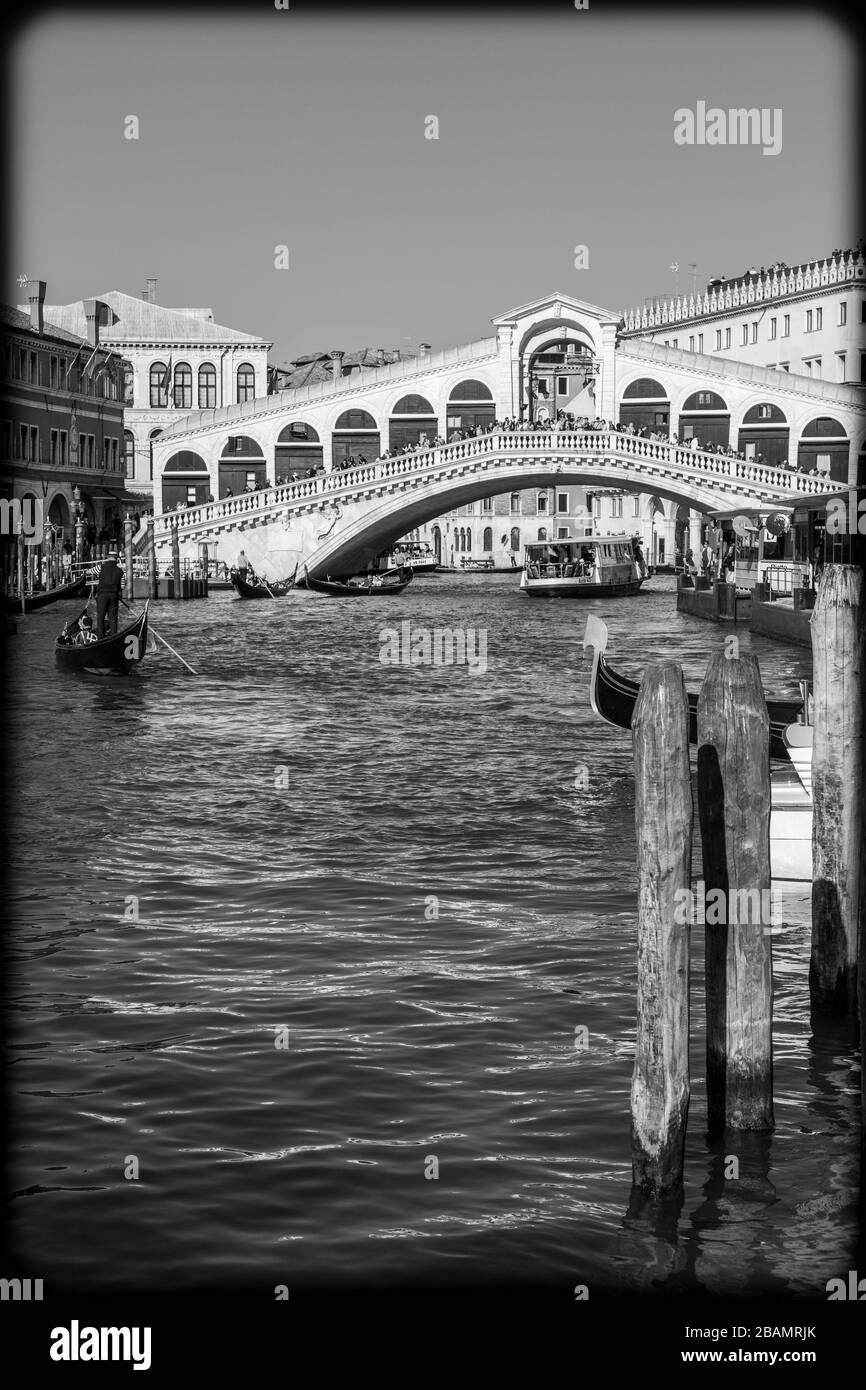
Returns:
(764, 414)
(470, 391)
(413, 405)
(246, 383)
(158, 386)
(154, 434)
(487, 540)
(515, 538)
(298, 432)
(356, 420)
(468, 545)
(298, 451)
(186, 461)
(645, 388)
(207, 393)
(542, 533)
(705, 400)
(541, 502)
(129, 453)
(824, 426)
(182, 393)
(241, 446)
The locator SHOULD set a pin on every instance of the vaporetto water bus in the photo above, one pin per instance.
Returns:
(612, 566)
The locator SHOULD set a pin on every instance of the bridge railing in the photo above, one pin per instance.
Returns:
(298, 496)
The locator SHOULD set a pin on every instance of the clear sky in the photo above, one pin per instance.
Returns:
(280, 127)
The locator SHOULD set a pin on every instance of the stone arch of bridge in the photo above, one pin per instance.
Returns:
(358, 539)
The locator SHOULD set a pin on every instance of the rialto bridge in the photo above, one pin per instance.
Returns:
(335, 522)
(300, 475)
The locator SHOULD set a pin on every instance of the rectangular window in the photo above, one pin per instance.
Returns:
(35, 451)
(251, 480)
(809, 320)
(487, 504)
(562, 502)
(727, 337)
(636, 501)
(840, 365)
(55, 448)
(34, 369)
(822, 463)
(91, 450)
(562, 385)
(745, 334)
(718, 340)
(772, 330)
(843, 313)
(22, 441)
(819, 320)
(755, 331)
(691, 342)
(542, 502)
(616, 506)
(750, 450)
(190, 495)
(22, 364)
(562, 533)
(700, 342)
(676, 342)
(704, 398)
(52, 371)
(786, 326)
(514, 504)
(64, 448)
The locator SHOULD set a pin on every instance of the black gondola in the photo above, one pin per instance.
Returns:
(613, 696)
(108, 656)
(260, 588)
(32, 602)
(375, 587)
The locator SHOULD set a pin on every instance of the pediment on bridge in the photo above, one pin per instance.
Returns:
(556, 305)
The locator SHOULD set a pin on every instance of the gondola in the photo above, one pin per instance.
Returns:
(613, 696)
(73, 589)
(260, 588)
(374, 588)
(108, 656)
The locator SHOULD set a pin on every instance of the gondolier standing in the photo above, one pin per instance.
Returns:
(108, 597)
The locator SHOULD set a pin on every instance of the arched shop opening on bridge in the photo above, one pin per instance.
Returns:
(355, 435)
(645, 406)
(412, 419)
(764, 434)
(824, 448)
(299, 450)
(185, 479)
(705, 417)
(241, 465)
(58, 512)
(470, 406)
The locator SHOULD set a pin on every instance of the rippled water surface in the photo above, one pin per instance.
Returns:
(411, 1037)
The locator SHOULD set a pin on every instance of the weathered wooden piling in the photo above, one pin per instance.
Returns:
(175, 560)
(734, 813)
(129, 575)
(839, 685)
(663, 820)
(151, 559)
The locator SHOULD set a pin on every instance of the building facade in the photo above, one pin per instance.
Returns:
(178, 361)
(808, 319)
(61, 424)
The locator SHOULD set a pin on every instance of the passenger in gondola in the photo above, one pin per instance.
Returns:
(243, 565)
(85, 633)
(108, 596)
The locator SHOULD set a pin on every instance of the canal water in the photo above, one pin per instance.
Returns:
(295, 933)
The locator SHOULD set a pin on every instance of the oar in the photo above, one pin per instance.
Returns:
(159, 636)
(268, 587)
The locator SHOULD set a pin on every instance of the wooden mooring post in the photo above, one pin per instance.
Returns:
(838, 823)
(175, 560)
(129, 577)
(663, 820)
(152, 582)
(734, 814)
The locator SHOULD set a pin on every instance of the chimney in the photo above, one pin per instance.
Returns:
(151, 291)
(142, 294)
(424, 349)
(91, 313)
(336, 357)
(36, 300)
(380, 357)
(395, 354)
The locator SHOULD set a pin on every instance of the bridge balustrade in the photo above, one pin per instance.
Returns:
(599, 443)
